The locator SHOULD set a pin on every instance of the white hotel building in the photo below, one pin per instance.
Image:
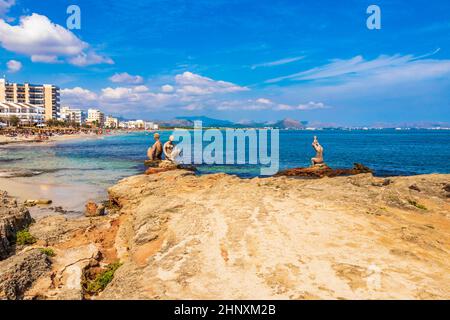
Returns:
(95, 115)
(27, 113)
(72, 115)
(31, 103)
(138, 124)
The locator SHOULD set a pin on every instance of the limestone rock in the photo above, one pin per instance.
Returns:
(94, 210)
(55, 229)
(182, 236)
(18, 273)
(32, 203)
(323, 170)
(414, 187)
(152, 163)
(13, 218)
(446, 188)
(71, 264)
(220, 237)
(166, 164)
(44, 201)
(158, 166)
(161, 166)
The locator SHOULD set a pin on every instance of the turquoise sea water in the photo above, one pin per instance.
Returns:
(103, 162)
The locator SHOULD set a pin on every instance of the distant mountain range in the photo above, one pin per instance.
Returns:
(287, 123)
(217, 123)
(415, 125)
(208, 122)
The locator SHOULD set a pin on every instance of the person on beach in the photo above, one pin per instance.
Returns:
(155, 152)
(318, 159)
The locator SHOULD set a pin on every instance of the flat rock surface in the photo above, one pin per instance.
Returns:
(183, 236)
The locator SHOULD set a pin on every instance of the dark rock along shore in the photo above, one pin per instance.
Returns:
(13, 218)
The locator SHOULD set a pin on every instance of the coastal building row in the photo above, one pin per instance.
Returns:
(96, 118)
(93, 117)
(37, 103)
(25, 97)
(138, 124)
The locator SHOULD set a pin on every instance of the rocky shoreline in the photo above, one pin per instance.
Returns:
(175, 235)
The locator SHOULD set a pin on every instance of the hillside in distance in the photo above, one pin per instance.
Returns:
(286, 123)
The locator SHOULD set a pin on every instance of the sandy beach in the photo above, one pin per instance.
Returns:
(70, 198)
(56, 138)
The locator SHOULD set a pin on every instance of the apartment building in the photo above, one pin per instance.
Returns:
(46, 96)
(97, 117)
(150, 126)
(138, 124)
(72, 115)
(133, 124)
(27, 113)
(111, 122)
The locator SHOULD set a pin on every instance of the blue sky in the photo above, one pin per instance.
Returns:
(237, 60)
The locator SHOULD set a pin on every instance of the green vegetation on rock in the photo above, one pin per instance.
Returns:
(24, 237)
(417, 205)
(102, 279)
(48, 251)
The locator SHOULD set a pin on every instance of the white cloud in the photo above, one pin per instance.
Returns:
(5, 5)
(307, 106)
(395, 67)
(193, 84)
(189, 92)
(78, 91)
(167, 88)
(37, 37)
(78, 97)
(193, 107)
(125, 77)
(244, 104)
(285, 107)
(277, 62)
(264, 101)
(45, 58)
(384, 81)
(312, 106)
(267, 104)
(14, 66)
(122, 93)
(134, 99)
(89, 58)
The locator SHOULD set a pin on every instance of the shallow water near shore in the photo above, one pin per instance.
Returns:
(94, 165)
